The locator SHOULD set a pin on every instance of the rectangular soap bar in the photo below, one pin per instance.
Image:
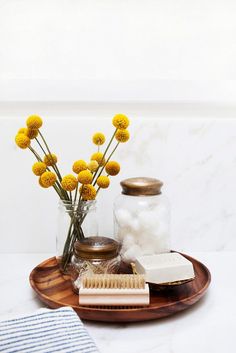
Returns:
(164, 268)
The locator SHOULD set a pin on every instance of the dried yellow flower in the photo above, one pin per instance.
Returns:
(88, 192)
(39, 168)
(48, 179)
(50, 159)
(93, 166)
(78, 166)
(34, 122)
(99, 138)
(40, 183)
(22, 141)
(69, 182)
(122, 135)
(85, 177)
(103, 181)
(22, 130)
(31, 133)
(120, 121)
(112, 168)
(98, 156)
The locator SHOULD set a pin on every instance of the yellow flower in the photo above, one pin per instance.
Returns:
(39, 168)
(31, 133)
(98, 156)
(122, 135)
(40, 183)
(34, 122)
(69, 182)
(48, 179)
(93, 166)
(22, 140)
(50, 159)
(22, 130)
(78, 166)
(98, 138)
(112, 168)
(88, 192)
(120, 121)
(103, 181)
(85, 177)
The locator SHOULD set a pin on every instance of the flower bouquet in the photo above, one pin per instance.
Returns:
(76, 191)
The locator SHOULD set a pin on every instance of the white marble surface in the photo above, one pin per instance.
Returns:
(194, 157)
(208, 326)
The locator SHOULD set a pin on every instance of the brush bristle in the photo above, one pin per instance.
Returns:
(114, 281)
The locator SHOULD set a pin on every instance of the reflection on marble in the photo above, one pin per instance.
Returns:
(195, 158)
(208, 326)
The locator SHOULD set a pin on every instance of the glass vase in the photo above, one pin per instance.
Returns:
(76, 221)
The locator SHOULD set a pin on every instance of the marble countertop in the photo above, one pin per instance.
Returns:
(208, 326)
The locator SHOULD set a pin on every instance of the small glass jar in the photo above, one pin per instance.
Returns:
(76, 220)
(94, 255)
(142, 218)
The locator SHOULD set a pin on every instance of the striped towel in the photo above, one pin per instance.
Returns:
(46, 331)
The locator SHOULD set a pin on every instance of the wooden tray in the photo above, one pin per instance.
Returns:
(55, 290)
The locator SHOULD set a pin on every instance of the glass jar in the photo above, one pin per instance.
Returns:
(76, 220)
(94, 255)
(142, 218)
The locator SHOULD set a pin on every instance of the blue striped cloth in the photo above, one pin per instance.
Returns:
(46, 331)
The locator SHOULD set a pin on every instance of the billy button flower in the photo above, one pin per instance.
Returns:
(48, 179)
(85, 177)
(88, 192)
(50, 159)
(34, 122)
(98, 156)
(39, 168)
(69, 182)
(112, 168)
(78, 166)
(93, 166)
(103, 181)
(99, 138)
(31, 133)
(120, 121)
(40, 183)
(22, 130)
(22, 141)
(122, 135)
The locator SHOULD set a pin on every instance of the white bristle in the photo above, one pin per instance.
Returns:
(114, 281)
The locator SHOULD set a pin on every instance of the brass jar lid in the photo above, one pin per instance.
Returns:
(141, 186)
(96, 248)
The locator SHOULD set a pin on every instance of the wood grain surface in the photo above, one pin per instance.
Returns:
(55, 290)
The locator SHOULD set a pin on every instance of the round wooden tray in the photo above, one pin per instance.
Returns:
(55, 290)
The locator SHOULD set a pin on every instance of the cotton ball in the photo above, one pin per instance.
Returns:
(147, 219)
(123, 217)
(134, 225)
(128, 241)
(148, 248)
(121, 234)
(132, 253)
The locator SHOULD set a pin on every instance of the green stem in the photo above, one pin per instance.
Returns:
(50, 154)
(104, 154)
(106, 162)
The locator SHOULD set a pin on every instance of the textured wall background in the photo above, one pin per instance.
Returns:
(193, 156)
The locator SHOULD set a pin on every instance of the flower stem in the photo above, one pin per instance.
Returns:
(106, 162)
(105, 152)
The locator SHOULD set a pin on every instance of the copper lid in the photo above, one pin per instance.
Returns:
(141, 186)
(97, 248)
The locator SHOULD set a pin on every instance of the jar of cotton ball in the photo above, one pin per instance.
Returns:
(142, 218)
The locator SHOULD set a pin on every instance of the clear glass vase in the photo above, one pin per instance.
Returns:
(76, 220)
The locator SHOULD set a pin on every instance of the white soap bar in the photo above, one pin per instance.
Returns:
(164, 268)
